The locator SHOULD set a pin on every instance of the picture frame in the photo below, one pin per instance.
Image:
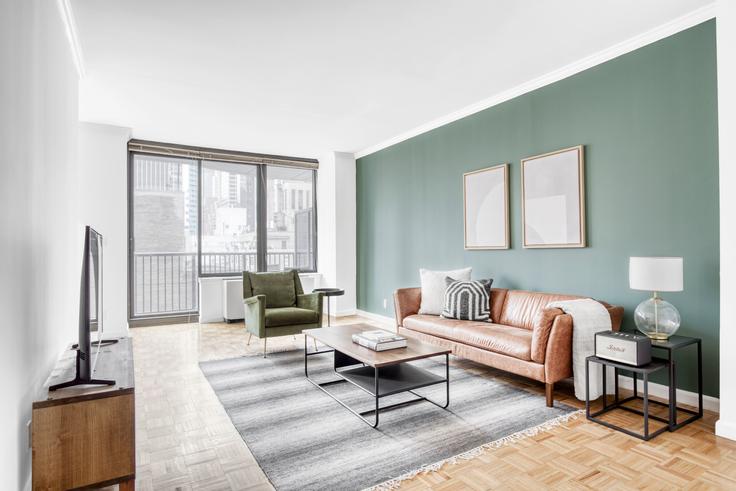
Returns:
(486, 208)
(553, 199)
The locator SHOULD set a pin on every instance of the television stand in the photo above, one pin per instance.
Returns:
(77, 380)
(84, 437)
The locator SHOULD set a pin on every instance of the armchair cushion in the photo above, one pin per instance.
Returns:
(289, 316)
(279, 288)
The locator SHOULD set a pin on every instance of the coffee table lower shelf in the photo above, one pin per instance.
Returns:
(379, 382)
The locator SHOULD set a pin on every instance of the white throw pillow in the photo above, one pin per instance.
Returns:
(434, 286)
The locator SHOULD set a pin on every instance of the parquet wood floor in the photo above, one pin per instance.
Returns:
(185, 440)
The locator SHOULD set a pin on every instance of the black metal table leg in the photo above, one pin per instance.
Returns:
(605, 389)
(700, 379)
(673, 395)
(587, 388)
(645, 381)
(615, 384)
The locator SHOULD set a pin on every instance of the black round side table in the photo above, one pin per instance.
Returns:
(330, 292)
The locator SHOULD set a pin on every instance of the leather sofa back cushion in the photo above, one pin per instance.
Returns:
(521, 308)
(279, 288)
(498, 297)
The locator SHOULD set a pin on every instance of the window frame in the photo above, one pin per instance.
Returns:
(261, 225)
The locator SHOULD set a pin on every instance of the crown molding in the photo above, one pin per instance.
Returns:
(70, 26)
(648, 37)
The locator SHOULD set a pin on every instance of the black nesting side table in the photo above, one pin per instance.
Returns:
(670, 346)
(645, 371)
(329, 292)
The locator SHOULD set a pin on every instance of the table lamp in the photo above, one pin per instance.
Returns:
(655, 317)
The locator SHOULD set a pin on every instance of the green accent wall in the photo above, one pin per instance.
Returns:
(648, 120)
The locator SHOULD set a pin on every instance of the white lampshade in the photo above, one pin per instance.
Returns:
(655, 274)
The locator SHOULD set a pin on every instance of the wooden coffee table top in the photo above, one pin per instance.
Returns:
(340, 338)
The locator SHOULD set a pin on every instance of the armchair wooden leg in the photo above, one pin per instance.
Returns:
(250, 335)
(548, 392)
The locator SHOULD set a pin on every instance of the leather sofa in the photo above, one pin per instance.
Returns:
(523, 336)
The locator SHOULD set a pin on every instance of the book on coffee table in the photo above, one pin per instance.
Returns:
(379, 340)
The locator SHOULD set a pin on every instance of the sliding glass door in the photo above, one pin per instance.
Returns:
(164, 234)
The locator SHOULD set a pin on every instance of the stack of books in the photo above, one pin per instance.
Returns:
(379, 340)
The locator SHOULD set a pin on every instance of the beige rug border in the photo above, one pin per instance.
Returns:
(475, 452)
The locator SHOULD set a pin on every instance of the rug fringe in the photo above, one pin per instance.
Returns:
(475, 452)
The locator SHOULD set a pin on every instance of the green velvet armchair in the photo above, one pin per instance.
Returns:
(276, 305)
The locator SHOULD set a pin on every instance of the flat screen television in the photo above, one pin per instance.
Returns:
(90, 313)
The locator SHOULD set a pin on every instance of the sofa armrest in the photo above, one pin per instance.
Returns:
(541, 332)
(543, 327)
(558, 353)
(617, 316)
(310, 301)
(406, 303)
(255, 315)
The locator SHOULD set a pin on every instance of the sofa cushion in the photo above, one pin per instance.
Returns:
(498, 298)
(279, 288)
(506, 340)
(521, 308)
(434, 286)
(467, 300)
(290, 316)
(434, 325)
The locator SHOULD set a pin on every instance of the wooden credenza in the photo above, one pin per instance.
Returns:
(85, 436)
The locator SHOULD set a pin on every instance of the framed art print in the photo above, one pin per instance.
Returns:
(486, 208)
(553, 199)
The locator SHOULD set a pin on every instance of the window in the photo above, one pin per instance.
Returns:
(194, 217)
(229, 218)
(291, 227)
(163, 216)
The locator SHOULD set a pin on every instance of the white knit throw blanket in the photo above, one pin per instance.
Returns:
(588, 318)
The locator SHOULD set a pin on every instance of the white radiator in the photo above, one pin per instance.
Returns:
(232, 300)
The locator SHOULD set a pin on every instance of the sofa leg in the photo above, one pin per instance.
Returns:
(548, 390)
(264, 346)
(250, 335)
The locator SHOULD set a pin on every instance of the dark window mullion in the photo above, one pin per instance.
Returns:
(199, 220)
(262, 217)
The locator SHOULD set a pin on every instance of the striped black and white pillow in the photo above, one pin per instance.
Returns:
(467, 300)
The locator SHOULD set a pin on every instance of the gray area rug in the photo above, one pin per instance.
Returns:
(303, 439)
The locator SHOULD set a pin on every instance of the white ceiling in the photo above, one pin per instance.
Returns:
(301, 78)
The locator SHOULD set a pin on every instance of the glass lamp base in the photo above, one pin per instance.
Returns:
(657, 318)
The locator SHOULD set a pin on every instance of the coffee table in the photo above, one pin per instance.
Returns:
(379, 373)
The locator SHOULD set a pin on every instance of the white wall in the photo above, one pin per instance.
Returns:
(726, 28)
(40, 245)
(102, 194)
(336, 208)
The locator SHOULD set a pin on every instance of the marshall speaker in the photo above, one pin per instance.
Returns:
(623, 347)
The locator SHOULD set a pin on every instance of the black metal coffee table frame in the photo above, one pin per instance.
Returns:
(380, 382)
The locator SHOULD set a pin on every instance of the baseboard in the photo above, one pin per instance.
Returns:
(343, 313)
(388, 321)
(726, 429)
